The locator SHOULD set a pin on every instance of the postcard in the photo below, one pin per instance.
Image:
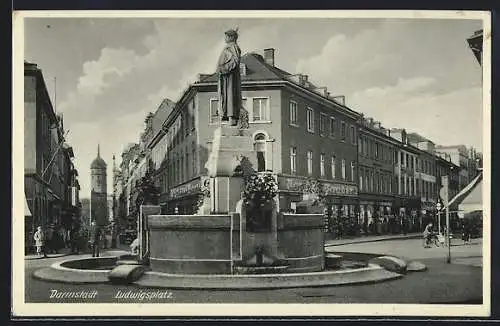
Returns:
(251, 163)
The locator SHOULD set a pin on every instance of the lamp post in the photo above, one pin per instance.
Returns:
(443, 193)
(438, 208)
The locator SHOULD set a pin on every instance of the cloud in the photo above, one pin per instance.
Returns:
(449, 118)
(378, 66)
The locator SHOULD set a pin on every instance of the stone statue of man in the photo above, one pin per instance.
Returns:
(229, 80)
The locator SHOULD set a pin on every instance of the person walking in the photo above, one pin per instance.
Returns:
(39, 238)
(94, 239)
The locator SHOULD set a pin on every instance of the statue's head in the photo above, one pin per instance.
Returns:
(231, 35)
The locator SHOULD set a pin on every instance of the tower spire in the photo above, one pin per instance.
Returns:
(98, 151)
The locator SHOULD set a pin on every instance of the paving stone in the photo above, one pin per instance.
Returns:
(416, 266)
(390, 263)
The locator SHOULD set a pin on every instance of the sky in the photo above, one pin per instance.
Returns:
(416, 74)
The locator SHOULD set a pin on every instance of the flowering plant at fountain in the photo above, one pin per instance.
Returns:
(260, 187)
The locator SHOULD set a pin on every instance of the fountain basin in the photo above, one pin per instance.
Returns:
(213, 244)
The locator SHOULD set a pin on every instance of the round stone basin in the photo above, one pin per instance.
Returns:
(353, 269)
(93, 263)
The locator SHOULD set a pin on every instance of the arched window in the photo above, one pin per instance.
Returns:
(260, 147)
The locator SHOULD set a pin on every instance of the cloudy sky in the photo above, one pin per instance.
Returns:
(416, 74)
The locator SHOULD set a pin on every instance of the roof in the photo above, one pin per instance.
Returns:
(161, 114)
(256, 69)
(98, 162)
(413, 137)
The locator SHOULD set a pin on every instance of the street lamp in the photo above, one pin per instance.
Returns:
(438, 208)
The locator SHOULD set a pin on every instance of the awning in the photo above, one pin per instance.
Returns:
(464, 193)
(473, 201)
(27, 211)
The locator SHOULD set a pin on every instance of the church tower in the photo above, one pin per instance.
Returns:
(98, 193)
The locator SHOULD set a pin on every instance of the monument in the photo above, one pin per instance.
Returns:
(238, 229)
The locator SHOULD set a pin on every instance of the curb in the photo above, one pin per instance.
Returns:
(354, 241)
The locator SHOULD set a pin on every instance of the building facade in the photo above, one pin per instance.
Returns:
(50, 178)
(300, 133)
(376, 152)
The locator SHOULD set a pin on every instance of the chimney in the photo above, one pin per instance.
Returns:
(302, 79)
(269, 56)
(339, 99)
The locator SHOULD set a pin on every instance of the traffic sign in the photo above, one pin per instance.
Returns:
(438, 206)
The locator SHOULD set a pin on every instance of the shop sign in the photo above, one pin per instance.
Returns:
(186, 189)
(332, 189)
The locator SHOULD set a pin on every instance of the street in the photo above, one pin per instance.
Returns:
(458, 282)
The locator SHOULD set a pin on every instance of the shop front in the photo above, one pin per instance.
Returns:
(340, 204)
(377, 215)
(183, 199)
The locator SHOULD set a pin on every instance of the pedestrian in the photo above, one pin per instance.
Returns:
(39, 238)
(48, 245)
(94, 239)
(427, 235)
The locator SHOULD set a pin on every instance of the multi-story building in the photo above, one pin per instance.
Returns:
(51, 184)
(299, 131)
(460, 157)
(376, 151)
(407, 202)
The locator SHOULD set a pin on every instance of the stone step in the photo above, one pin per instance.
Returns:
(126, 274)
(260, 269)
(332, 261)
(127, 262)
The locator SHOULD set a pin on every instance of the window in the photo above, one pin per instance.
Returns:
(181, 167)
(193, 158)
(214, 108)
(187, 166)
(293, 113)
(361, 180)
(361, 145)
(352, 171)
(322, 124)
(376, 150)
(343, 130)
(310, 120)
(322, 164)
(193, 114)
(333, 127)
(293, 160)
(260, 111)
(353, 135)
(333, 163)
(309, 162)
(343, 169)
(244, 103)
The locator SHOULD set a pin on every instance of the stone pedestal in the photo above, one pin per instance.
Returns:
(264, 241)
(231, 147)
